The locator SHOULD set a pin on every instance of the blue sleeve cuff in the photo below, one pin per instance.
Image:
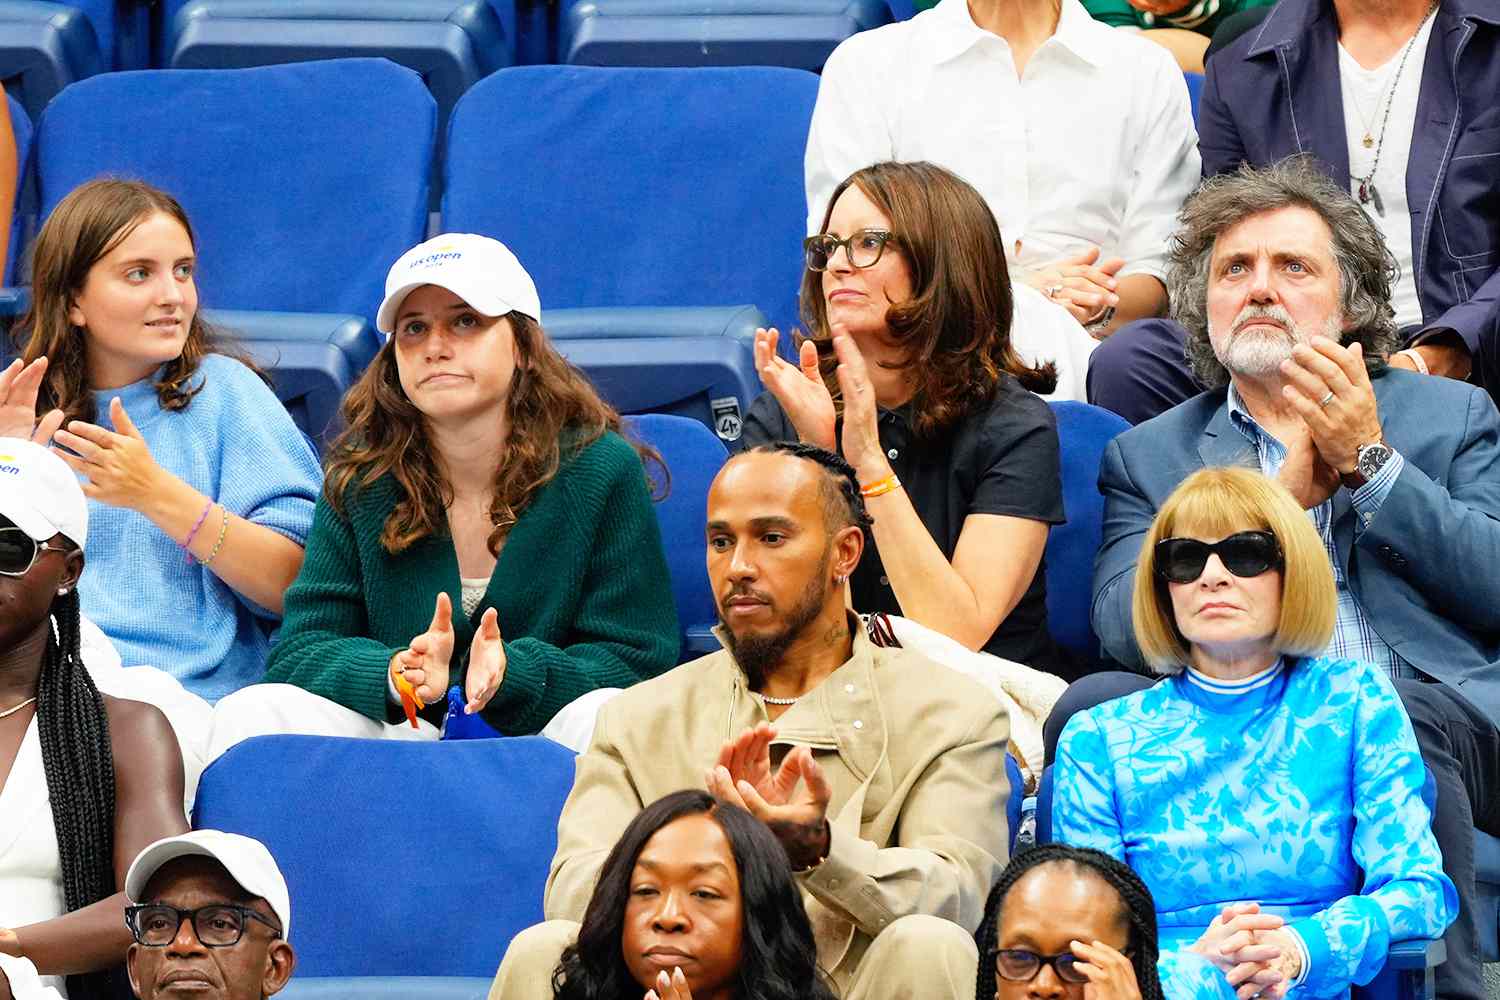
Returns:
(1369, 498)
(1306, 959)
(1315, 952)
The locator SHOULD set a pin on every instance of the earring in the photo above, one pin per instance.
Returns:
(62, 591)
(840, 580)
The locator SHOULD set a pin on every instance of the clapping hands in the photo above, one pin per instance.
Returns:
(792, 801)
(426, 663)
(19, 387)
(798, 388)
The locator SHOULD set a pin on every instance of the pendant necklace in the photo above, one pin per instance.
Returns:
(1367, 192)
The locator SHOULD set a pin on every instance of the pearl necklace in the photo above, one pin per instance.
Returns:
(16, 708)
(778, 701)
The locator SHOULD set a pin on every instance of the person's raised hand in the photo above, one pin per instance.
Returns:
(799, 389)
(1328, 386)
(425, 663)
(1081, 283)
(1110, 974)
(19, 386)
(117, 464)
(1305, 474)
(861, 435)
(486, 663)
(793, 801)
(670, 987)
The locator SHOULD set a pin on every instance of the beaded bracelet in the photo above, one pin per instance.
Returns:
(187, 545)
(880, 487)
(223, 528)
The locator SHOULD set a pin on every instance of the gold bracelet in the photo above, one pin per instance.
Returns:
(223, 529)
(880, 487)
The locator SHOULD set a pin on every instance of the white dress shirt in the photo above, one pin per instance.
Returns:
(1093, 145)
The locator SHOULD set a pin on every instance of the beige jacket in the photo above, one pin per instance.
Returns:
(914, 752)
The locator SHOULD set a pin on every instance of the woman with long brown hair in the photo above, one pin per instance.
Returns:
(483, 523)
(910, 374)
(200, 486)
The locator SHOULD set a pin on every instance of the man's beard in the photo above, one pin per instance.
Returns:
(1260, 355)
(758, 653)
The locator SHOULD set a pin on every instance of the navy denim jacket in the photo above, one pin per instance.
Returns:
(1275, 92)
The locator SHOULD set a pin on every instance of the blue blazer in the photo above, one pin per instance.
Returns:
(1426, 569)
(1275, 92)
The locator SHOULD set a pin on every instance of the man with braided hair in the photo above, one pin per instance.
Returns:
(881, 772)
(86, 780)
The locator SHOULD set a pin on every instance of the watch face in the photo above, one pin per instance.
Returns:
(1371, 458)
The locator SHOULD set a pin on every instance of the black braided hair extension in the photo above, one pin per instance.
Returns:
(1140, 910)
(839, 471)
(80, 771)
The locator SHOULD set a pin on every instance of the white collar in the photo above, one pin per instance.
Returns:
(953, 31)
(1243, 685)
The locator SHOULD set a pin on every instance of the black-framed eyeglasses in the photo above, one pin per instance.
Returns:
(1245, 554)
(219, 925)
(19, 551)
(863, 248)
(1018, 965)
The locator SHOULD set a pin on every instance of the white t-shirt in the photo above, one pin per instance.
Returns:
(1094, 145)
(1366, 92)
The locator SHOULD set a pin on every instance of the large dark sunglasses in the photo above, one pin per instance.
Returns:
(1017, 965)
(218, 926)
(1245, 554)
(863, 248)
(19, 552)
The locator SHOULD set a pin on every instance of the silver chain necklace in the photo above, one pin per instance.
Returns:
(16, 708)
(1367, 191)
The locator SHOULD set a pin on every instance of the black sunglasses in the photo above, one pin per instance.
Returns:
(19, 552)
(862, 248)
(1017, 965)
(1245, 554)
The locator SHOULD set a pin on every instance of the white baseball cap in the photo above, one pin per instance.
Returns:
(246, 859)
(40, 493)
(481, 271)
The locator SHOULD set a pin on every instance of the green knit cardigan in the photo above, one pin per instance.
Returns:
(581, 589)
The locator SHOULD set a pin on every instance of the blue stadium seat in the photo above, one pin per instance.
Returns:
(1083, 431)
(1013, 802)
(314, 359)
(304, 182)
(1195, 88)
(404, 858)
(795, 33)
(693, 458)
(698, 201)
(1487, 873)
(697, 363)
(389, 988)
(44, 47)
(20, 126)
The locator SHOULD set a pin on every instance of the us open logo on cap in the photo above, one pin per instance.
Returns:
(8, 466)
(439, 255)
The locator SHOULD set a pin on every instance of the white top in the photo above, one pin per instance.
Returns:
(471, 592)
(1095, 145)
(1041, 331)
(31, 886)
(1366, 92)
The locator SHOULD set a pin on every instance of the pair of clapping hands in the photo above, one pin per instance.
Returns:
(427, 662)
(1327, 385)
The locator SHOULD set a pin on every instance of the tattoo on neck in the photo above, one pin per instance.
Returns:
(836, 634)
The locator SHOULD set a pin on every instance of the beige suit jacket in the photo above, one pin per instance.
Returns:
(914, 752)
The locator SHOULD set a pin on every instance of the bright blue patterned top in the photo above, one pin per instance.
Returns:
(1280, 790)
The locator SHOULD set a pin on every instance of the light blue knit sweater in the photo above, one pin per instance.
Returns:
(235, 444)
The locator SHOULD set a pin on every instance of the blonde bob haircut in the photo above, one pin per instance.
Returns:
(1215, 503)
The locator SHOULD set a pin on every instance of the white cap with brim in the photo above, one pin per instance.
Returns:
(245, 859)
(40, 494)
(481, 271)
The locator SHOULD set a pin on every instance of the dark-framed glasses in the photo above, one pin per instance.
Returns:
(863, 248)
(1245, 554)
(1018, 965)
(217, 926)
(19, 551)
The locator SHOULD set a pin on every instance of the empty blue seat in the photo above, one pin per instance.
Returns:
(20, 127)
(638, 187)
(697, 363)
(795, 33)
(303, 181)
(1083, 431)
(404, 858)
(44, 47)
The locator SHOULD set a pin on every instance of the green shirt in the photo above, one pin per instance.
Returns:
(1202, 16)
(581, 589)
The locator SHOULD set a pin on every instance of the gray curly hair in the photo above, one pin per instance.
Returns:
(1366, 268)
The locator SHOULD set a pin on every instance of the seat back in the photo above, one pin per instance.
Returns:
(304, 182)
(693, 457)
(403, 858)
(20, 127)
(1487, 879)
(1195, 89)
(1083, 431)
(638, 187)
(44, 47)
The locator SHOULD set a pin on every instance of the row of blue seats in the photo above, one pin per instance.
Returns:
(452, 43)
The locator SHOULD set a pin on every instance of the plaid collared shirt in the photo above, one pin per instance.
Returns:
(1353, 637)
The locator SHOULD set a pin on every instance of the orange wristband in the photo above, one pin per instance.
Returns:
(880, 487)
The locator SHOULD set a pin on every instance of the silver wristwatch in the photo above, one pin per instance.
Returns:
(1368, 462)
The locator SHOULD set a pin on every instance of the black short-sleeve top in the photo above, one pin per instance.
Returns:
(1002, 458)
